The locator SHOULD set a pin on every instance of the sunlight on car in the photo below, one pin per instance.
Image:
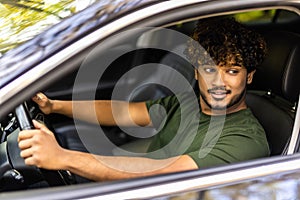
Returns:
(22, 20)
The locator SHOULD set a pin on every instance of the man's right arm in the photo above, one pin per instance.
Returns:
(104, 112)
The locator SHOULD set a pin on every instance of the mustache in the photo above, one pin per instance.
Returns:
(219, 89)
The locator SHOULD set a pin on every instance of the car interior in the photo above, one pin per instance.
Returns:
(272, 96)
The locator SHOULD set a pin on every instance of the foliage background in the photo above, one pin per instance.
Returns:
(20, 20)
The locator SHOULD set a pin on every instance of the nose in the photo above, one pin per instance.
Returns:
(218, 79)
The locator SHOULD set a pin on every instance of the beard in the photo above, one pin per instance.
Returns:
(236, 99)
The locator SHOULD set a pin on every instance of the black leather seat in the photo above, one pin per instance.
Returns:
(277, 123)
(275, 89)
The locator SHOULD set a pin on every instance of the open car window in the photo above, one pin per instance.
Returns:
(148, 62)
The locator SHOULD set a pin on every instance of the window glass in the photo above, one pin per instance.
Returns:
(257, 16)
(20, 20)
(266, 16)
(285, 16)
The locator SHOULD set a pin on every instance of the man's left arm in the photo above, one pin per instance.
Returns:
(104, 168)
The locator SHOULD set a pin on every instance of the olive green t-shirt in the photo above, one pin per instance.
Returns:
(209, 140)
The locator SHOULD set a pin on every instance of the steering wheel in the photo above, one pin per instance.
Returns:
(17, 174)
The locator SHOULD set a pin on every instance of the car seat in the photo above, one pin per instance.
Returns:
(273, 94)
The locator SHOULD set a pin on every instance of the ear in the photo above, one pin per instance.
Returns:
(250, 76)
(196, 73)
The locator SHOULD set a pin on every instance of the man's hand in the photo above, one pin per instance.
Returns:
(45, 104)
(40, 148)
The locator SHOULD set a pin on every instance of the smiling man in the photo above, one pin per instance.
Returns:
(212, 129)
(223, 88)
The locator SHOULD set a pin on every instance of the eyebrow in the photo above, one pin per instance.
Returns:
(231, 66)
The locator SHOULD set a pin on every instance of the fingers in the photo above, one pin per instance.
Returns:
(35, 145)
(39, 97)
(30, 143)
(32, 161)
(25, 144)
(29, 157)
(41, 127)
(37, 124)
(44, 103)
(26, 153)
(28, 134)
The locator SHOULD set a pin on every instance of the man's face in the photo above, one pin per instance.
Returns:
(222, 87)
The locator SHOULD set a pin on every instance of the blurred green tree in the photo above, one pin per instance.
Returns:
(20, 20)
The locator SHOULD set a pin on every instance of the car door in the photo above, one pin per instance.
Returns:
(73, 56)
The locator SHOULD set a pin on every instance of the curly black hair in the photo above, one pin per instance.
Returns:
(225, 42)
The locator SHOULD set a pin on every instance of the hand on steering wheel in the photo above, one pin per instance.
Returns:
(53, 177)
(40, 148)
(44, 103)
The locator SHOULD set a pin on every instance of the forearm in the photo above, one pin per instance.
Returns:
(82, 110)
(104, 112)
(103, 168)
(62, 107)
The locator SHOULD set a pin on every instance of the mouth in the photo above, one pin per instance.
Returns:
(218, 94)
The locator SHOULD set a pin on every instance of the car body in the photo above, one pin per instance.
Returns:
(89, 55)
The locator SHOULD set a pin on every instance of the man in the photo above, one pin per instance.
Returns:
(222, 131)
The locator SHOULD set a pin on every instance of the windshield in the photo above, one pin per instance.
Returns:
(20, 20)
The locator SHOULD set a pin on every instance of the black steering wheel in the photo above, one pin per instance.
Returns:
(15, 174)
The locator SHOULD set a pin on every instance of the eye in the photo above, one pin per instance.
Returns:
(233, 71)
(210, 69)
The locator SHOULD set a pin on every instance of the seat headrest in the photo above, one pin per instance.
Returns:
(278, 73)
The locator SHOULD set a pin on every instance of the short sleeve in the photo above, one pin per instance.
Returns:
(230, 149)
(160, 108)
